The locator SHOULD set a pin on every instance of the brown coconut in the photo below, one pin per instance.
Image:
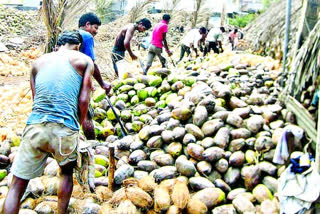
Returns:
(169, 184)
(180, 195)
(139, 197)
(161, 198)
(195, 206)
(118, 196)
(126, 207)
(106, 208)
(103, 193)
(147, 183)
(173, 210)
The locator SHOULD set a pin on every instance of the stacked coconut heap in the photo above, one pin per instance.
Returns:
(216, 128)
(202, 138)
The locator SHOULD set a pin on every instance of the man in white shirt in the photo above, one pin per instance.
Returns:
(214, 40)
(192, 41)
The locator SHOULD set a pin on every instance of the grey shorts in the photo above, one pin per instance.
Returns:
(39, 141)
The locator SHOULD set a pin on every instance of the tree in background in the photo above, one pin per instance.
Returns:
(57, 15)
(139, 7)
(103, 9)
(200, 13)
(267, 4)
(170, 6)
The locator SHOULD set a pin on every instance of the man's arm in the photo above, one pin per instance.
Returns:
(97, 76)
(165, 44)
(127, 39)
(84, 96)
(32, 80)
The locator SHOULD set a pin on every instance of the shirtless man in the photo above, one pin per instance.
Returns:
(61, 83)
(123, 39)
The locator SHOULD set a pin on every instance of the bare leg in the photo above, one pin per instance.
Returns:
(65, 188)
(12, 202)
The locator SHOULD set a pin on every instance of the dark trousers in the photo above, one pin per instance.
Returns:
(184, 49)
(213, 46)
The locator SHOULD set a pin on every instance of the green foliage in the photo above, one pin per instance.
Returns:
(242, 21)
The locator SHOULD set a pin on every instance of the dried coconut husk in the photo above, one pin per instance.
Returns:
(195, 206)
(77, 192)
(173, 210)
(151, 212)
(161, 198)
(45, 206)
(130, 182)
(169, 184)
(103, 193)
(126, 207)
(139, 197)
(118, 196)
(106, 208)
(147, 183)
(180, 195)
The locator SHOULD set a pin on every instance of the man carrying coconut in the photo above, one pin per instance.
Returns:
(123, 40)
(192, 41)
(159, 41)
(89, 24)
(61, 84)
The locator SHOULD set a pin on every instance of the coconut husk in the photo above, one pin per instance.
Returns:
(106, 208)
(118, 196)
(77, 191)
(147, 183)
(169, 184)
(103, 193)
(161, 198)
(180, 195)
(173, 210)
(139, 197)
(195, 206)
(130, 182)
(126, 207)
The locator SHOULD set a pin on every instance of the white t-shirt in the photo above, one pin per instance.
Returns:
(192, 36)
(214, 35)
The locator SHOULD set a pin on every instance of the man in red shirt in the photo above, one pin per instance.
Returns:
(158, 42)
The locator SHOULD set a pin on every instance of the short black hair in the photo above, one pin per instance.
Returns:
(89, 17)
(236, 30)
(203, 30)
(222, 29)
(166, 17)
(145, 22)
(69, 37)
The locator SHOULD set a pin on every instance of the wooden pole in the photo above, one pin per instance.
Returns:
(111, 168)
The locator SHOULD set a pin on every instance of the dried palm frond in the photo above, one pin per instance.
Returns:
(199, 8)
(137, 10)
(57, 14)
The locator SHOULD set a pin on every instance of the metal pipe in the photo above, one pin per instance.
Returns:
(286, 41)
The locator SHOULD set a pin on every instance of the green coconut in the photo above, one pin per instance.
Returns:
(101, 160)
(142, 94)
(111, 115)
(98, 95)
(154, 80)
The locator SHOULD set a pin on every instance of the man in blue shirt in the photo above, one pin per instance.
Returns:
(89, 24)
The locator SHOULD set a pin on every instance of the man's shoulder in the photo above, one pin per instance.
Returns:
(85, 35)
